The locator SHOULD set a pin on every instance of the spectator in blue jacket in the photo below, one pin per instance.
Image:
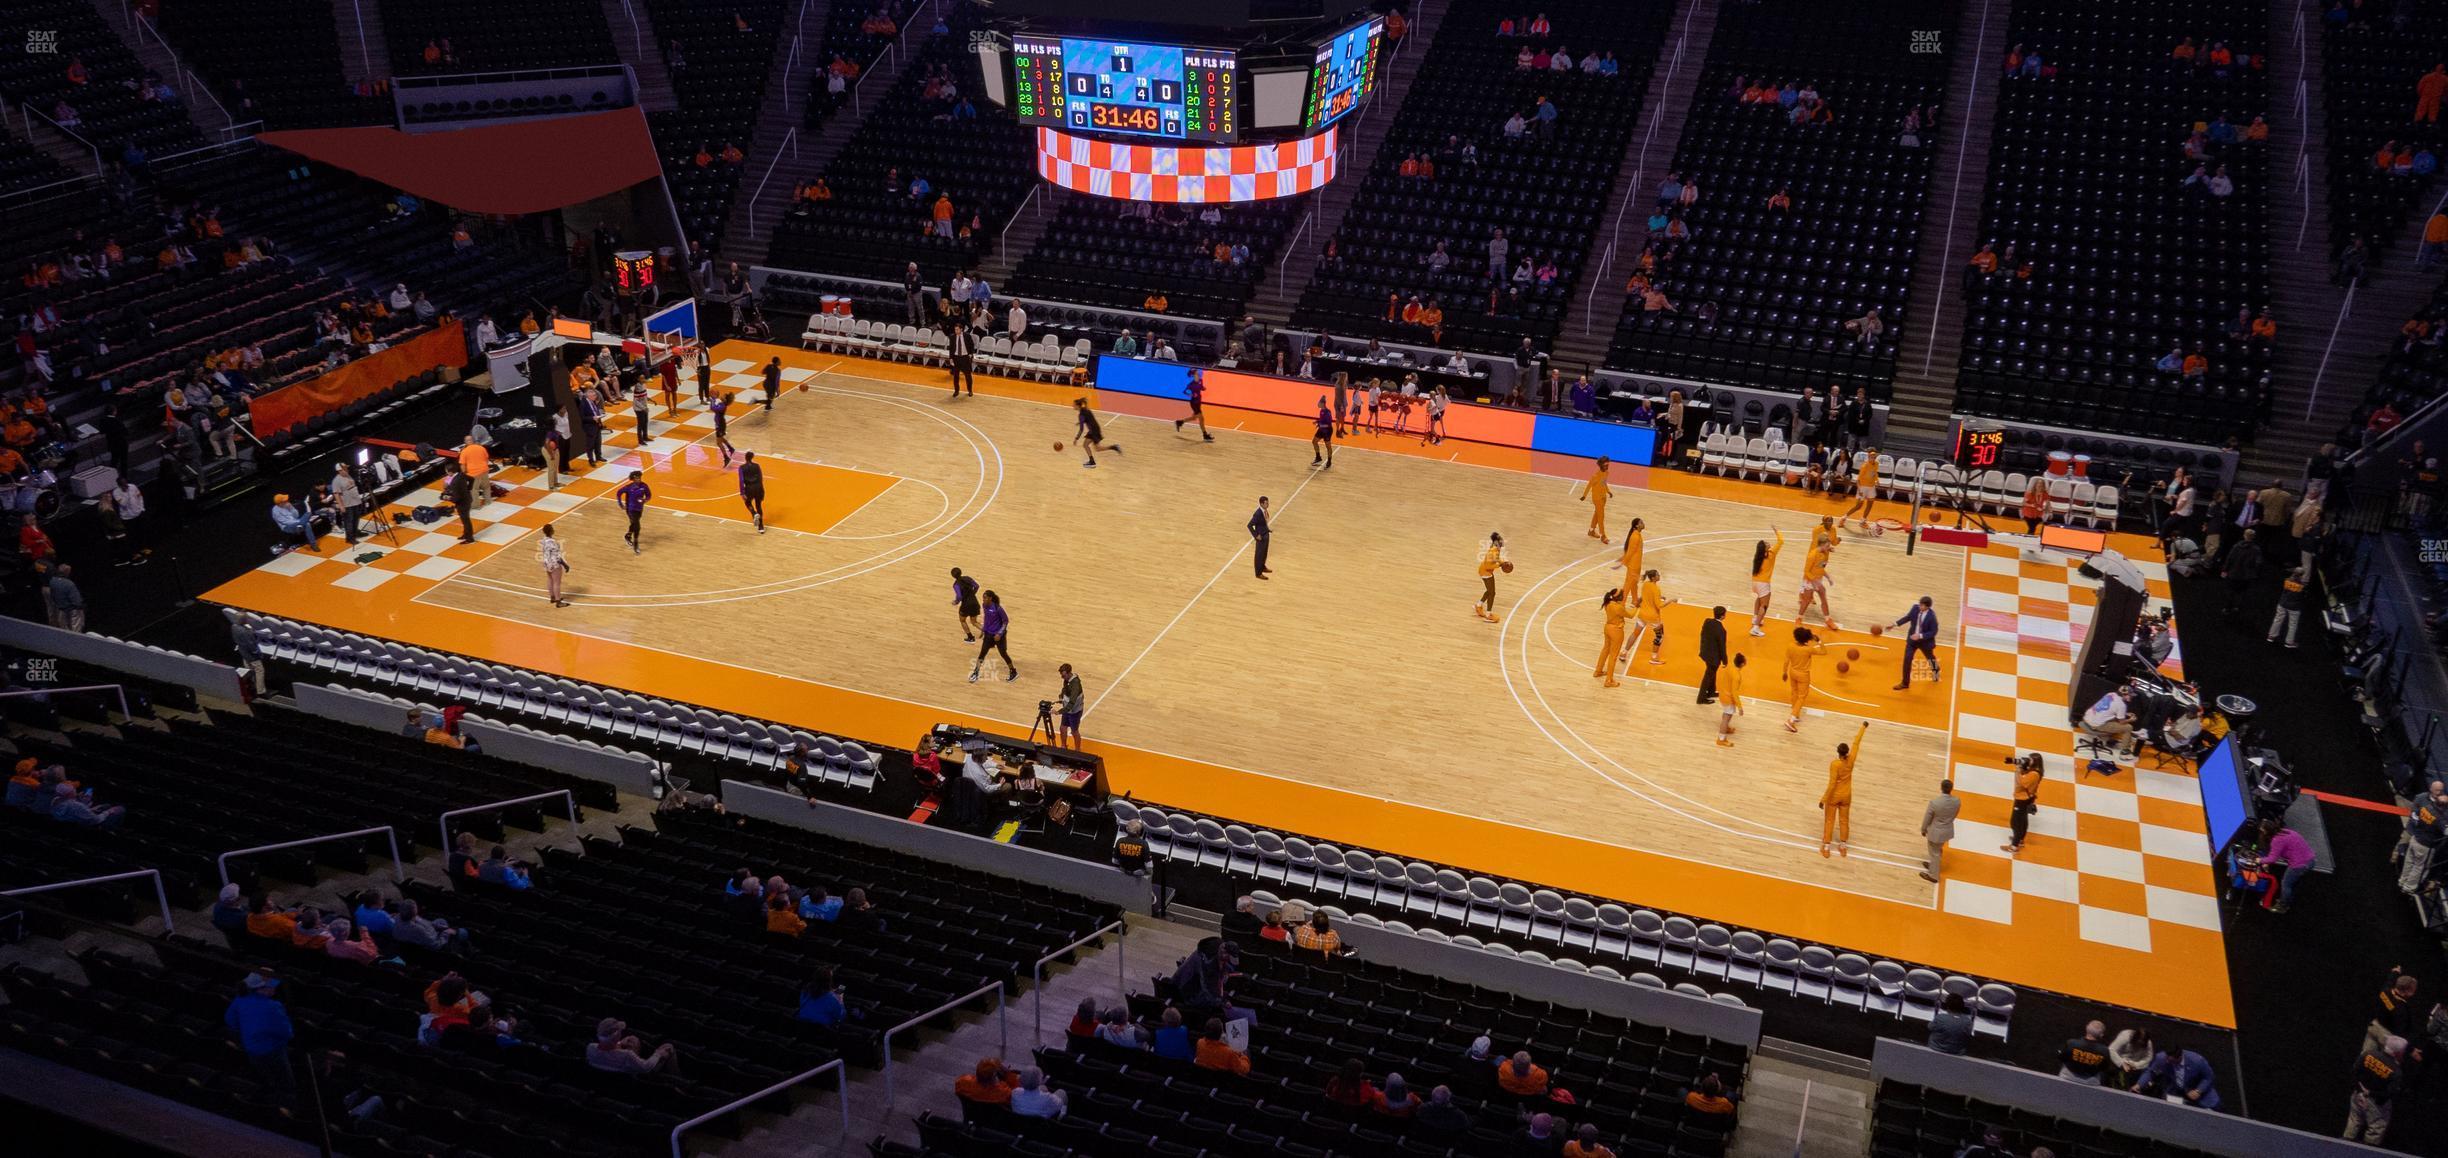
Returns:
(501, 870)
(1172, 1037)
(262, 1025)
(820, 1001)
(817, 905)
(2179, 1074)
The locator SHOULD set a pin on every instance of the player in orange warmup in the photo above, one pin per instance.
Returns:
(1763, 572)
(1825, 535)
(1491, 560)
(1836, 804)
(1650, 617)
(1596, 492)
(1613, 604)
(1631, 559)
(1798, 658)
(1865, 489)
(1815, 584)
(1729, 699)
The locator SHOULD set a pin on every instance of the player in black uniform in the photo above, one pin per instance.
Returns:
(1091, 436)
(1197, 394)
(1323, 438)
(965, 601)
(752, 488)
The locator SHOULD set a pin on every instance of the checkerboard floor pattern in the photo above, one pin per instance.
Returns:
(2120, 858)
(431, 553)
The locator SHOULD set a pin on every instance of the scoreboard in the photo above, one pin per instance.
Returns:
(1109, 86)
(1345, 72)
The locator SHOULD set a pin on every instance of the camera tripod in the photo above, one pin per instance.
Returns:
(1045, 720)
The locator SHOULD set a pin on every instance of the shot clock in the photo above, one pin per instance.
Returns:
(1979, 445)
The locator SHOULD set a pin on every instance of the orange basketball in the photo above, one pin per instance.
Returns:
(1843, 667)
(1508, 566)
(1852, 653)
(1058, 446)
(1877, 630)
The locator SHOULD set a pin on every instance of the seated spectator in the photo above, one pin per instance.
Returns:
(1350, 1088)
(1521, 1077)
(293, 523)
(410, 927)
(73, 807)
(1172, 1037)
(309, 933)
(1585, 1144)
(1951, 1029)
(1866, 328)
(616, 1050)
(1215, 1054)
(1084, 1020)
(1274, 929)
(499, 869)
(779, 918)
(990, 1085)
(374, 915)
(229, 911)
(1539, 1137)
(820, 1000)
(1035, 1100)
(818, 905)
(1115, 1030)
(476, 1030)
(352, 944)
(1707, 1103)
(271, 922)
(1242, 922)
(1318, 936)
(1440, 1115)
(1395, 1099)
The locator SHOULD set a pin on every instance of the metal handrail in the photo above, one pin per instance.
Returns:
(159, 893)
(1963, 145)
(399, 868)
(2345, 309)
(841, 1081)
(1589, 309)
(29, 192)
(116, 688)
(637, 31)
(873, 67)
(1308, 218)
(158, 162)
(62, 130)
(1657, 117)
(791, 139)
(563, 793)
(365, 56)
(1001, 1014)
(1037, 977)
(790, 62)
(1003, 239)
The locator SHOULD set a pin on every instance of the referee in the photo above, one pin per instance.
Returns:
(752, 488)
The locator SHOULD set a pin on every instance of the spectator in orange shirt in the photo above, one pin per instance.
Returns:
(1411, 311)
(1585, 1144)
(703, 158)
(1521, 1077)
(991, 1085)
(1780, 201)
(2386, 155)
(76, 71)
(1432, 316)
(1157, 303)
(731, 154)
(32, 542)
(2264, 327)
(2427, 93)
(1215, 1054)
(2435, 239)
(943, 215)
(2195, 365)
(1707, 1103)
(2184, 52)
(271, 922)
(779, 918)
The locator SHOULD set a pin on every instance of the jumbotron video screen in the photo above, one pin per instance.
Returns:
(1169, 92)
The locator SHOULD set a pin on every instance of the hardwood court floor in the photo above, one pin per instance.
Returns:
(1352, 696)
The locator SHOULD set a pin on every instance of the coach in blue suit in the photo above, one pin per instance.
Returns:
(1920, 637)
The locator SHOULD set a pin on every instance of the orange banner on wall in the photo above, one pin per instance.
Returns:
(290, 405)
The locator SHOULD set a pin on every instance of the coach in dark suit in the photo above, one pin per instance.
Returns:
(1712, 653)
(963, 350)
(1261, 531)
(1920, 625)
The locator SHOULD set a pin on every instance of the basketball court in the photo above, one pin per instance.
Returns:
(1352, 697)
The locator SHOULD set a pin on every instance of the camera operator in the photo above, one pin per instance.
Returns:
(1073, 701)
(2028, 771)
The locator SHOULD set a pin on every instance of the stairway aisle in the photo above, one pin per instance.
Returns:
(1925, 359)
(1590, 328)
(634, 39)
(364, 51)
(144, 39)
(2309, 400)
(1277, 295)
(750, 234)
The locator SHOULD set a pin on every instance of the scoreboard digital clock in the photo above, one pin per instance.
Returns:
(1345, 72)
(1979, 445)
(1111, 86)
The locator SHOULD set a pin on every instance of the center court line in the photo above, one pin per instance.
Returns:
(1273, 517)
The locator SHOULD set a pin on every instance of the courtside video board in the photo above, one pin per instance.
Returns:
(1345, 72)
(1169, 92)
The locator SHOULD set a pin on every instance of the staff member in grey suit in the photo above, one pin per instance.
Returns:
(1938, 827)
